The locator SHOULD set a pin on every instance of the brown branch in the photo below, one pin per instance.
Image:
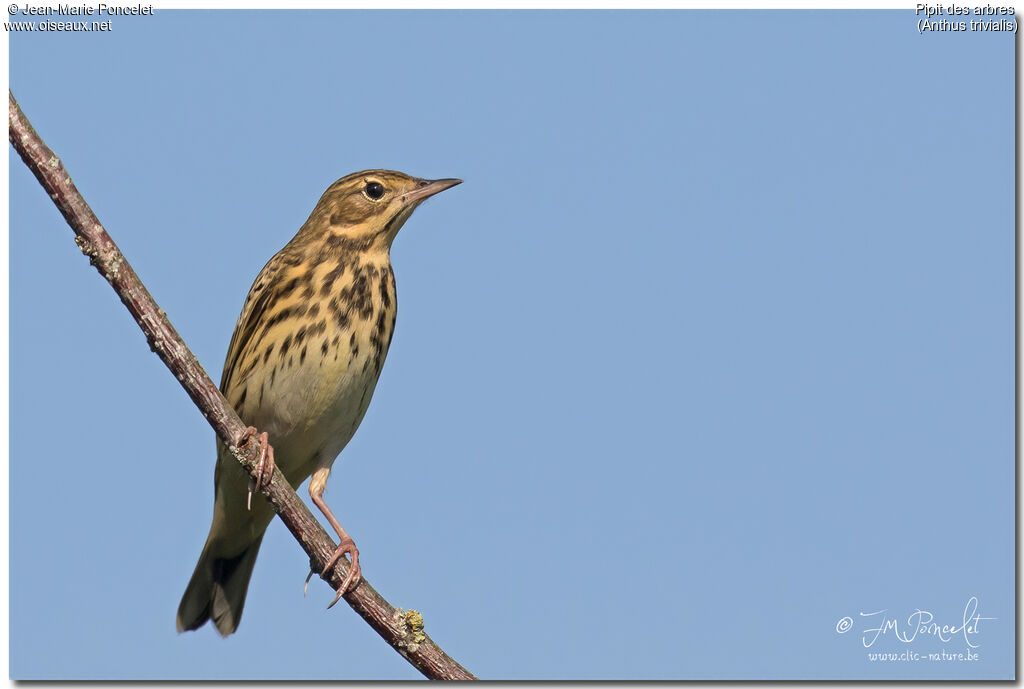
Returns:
(401, 629)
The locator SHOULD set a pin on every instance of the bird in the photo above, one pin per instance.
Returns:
(300, 371)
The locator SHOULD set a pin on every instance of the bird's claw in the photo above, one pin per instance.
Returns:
(265, 467)
(352, 579)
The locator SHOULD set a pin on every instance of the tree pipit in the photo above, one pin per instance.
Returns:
(301, 368)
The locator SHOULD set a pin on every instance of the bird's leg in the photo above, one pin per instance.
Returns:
(265, 467)
(346, 545)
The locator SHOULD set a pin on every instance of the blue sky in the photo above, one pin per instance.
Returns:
(713, 348)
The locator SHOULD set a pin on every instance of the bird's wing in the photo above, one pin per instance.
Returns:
(262, 295)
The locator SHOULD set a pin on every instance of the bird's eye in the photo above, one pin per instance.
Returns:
(374, 190)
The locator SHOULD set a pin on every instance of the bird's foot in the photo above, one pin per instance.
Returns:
(265, 467)
(352, 579)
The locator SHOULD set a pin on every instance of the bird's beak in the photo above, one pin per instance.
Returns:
(428, 188)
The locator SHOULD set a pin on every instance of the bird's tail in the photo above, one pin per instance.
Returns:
(217, 589)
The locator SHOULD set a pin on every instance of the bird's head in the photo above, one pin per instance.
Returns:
(370, 207)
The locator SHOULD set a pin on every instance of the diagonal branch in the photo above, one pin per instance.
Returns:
(401, 629)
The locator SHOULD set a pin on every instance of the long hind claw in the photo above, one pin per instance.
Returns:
(351, 579)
